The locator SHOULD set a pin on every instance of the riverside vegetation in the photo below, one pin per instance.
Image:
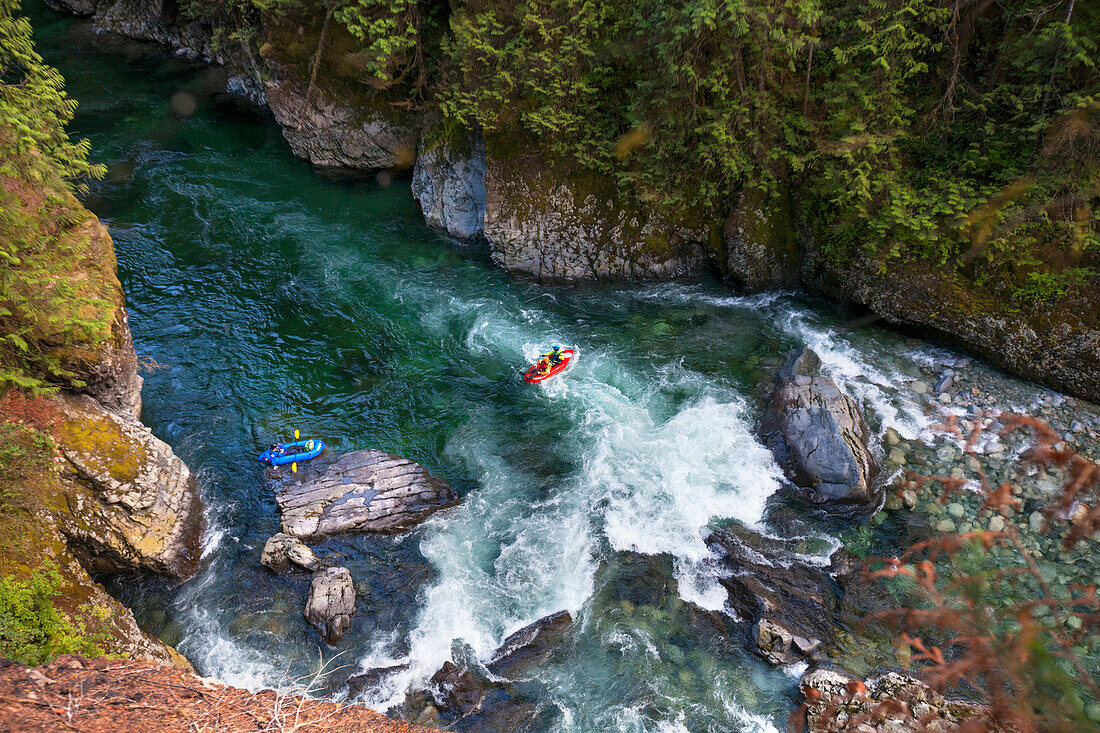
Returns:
(961, 133)
(69, 390)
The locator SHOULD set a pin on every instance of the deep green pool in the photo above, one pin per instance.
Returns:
(276, 300)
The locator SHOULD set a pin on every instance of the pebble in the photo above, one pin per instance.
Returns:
(909, 497)
(956, 510)
(945, 398)
(944, 525)
(921, 387)
(896, 457)
(945, 381)
(891, 437)
(1036, 521)
(1076, 426)
(997, 523)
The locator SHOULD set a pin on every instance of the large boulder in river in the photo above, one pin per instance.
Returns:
(129, 503)
(362, 491)
(331, 603)
(790, 605)
(818, 435)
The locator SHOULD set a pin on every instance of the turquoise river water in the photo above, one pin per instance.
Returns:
(274, 300)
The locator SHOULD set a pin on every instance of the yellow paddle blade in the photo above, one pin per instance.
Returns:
(295, 433)
(294, 467)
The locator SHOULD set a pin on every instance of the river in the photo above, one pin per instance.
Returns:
(270, 299)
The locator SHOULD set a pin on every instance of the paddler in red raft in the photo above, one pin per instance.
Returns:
(550, 360)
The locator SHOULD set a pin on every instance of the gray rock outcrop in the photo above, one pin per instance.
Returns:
(130, 502)
(331, 603)
(449, 183)
(362, 491)
(573, 227)
(281, 552)
(761, 247)
(889, 703)
(333, 135)
(818, 435)
(156, 21)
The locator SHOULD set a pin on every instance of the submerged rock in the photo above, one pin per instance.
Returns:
(496, 696)
(130, 502)
(449, 183)
(281, 551)
(818, 435)
(331, 603)
(363, 491)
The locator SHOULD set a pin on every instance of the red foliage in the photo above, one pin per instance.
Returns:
(38, 412)
(974, 651)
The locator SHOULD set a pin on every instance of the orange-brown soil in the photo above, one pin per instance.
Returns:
(113, 695)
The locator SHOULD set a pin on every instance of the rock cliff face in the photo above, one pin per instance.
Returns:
(449, 183)
(570, 226)
(334, 134)
(129, 502)
(760, 245)
(150, 20)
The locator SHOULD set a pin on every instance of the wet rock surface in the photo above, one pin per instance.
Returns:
(130, 502)
(496, 696)
(363, 491)
(283, 552)
(818, 435)
(331, 603)
(790, 605)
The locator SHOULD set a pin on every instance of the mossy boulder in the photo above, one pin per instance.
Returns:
(126, 501)
(31, 539)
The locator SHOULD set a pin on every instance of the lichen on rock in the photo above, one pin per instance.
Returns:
(128, 502)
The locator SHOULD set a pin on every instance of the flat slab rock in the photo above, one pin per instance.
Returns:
(362, 491)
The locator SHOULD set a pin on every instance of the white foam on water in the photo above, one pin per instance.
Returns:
(651, 475)
(874, 386)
